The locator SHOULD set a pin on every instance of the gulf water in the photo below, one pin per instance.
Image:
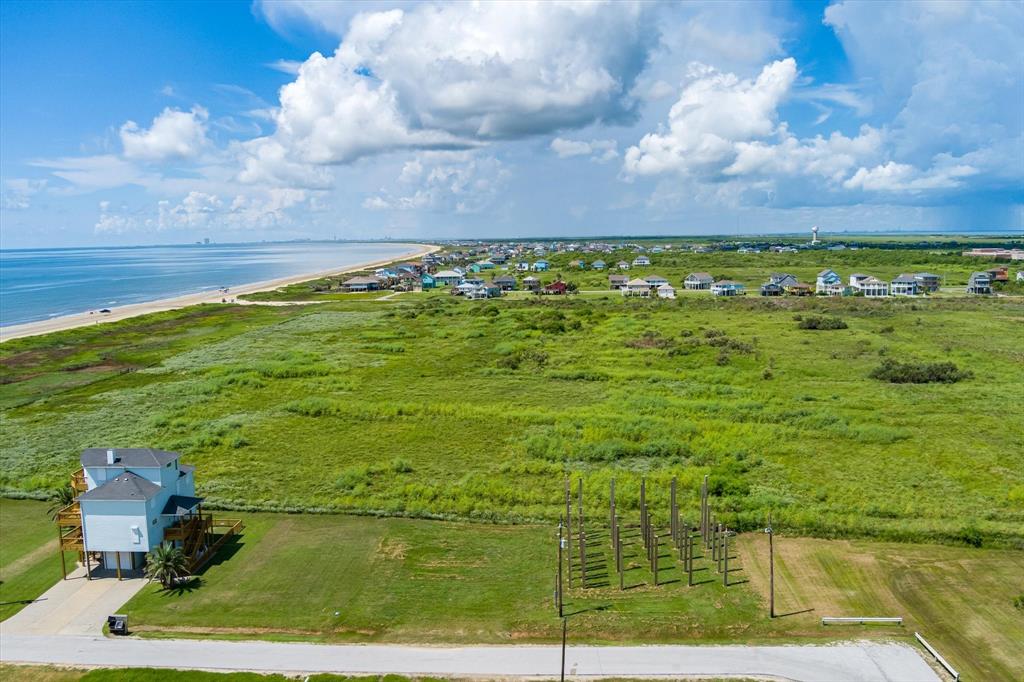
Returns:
(37, 284)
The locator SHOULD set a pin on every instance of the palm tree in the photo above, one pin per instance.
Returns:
(60, 498)
(166, 563)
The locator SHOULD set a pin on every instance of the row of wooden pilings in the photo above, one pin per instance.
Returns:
(708, 536)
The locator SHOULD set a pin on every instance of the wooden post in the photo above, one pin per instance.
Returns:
(643, 510)
(618, 557)
(583, 558)
(580, 504)
(611, 505)
(689, 558)
(721, 536)
(672, 512)
(568, 524)
(725, 573)
(655, 558)
(117, 560)
(60, 548)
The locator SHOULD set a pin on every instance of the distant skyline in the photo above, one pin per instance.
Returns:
(148, 123)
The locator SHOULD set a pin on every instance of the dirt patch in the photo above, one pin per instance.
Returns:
(391, 549)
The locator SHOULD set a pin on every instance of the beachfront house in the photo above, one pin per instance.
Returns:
(447, 278)
(783, 279)
(622, 265)
(727, 287)
(825, 280)
(979, 283)
(905, 285)
(856, 279)
(531, 283)
(599, 265)
(356, 284)
(698, 281)
(797, 289)
(540, 266)
(617, 281)
(427, 281)
(928, 282)
(558, 288)
(131, 500)
(872, 287)
(505, 282)
(641, 261)
(523, 266)
(637, 287)
(771, 289)
(666, 290)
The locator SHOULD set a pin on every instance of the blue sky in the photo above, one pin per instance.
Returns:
(129, 123)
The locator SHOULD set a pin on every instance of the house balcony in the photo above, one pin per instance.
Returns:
(69, 516)
(187, 527)
(71, 540)
(78, 482)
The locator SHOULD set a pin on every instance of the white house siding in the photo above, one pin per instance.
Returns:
(109, 524)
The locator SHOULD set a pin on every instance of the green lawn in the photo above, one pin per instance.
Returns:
(29, 563)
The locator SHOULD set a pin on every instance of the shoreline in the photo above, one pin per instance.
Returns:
(75, 320)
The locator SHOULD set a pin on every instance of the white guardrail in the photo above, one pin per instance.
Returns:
(861, 620)
(952, 671)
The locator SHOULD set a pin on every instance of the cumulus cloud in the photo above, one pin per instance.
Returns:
(902, 177)
(18, 193)
(457, 182)
(173, 134)
(597, 150)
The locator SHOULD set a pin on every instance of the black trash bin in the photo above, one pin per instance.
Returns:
(118, 624)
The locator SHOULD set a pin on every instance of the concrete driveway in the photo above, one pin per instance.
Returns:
(75, 606)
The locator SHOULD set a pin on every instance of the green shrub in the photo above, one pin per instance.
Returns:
(814, 322)
(896, 372)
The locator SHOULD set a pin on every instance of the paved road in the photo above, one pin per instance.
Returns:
(860, 661)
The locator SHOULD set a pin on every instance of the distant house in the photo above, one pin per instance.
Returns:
(640, 261)
(637, 287)
(666, 290)
(836, 289)
(447, 278)
(578, 263)
(505, 282)
(599, 265)
(617, 281)
(856, 279)
(622, 265)
(523, 266)
(361, 284)
(727, 287)
(825, 279)
(485, 265)
(771, 289)
(698, 280)
(783, 279)
(797, 289)
(541, 266)
(979, 283)
(655, 280)
(385, 273)
(872, 287)
(531, 283)
(999, 274)
(427, 281)
(905, 285)
(1020, 275)
(555, 288)
(927, 282)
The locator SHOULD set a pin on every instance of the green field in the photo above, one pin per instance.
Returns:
(429, 406)
(29, 563)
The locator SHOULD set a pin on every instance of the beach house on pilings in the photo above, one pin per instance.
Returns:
(130, 500)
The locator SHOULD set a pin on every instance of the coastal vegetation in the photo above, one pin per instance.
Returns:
(488, 405)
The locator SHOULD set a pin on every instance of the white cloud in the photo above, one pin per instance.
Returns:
(173, 134)
(901, 177)
(715, 112)
(90, 173)
(457, 182)
(114, 221)
(598, 150)
(18, 193)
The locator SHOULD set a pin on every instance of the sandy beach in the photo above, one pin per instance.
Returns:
(63, 322)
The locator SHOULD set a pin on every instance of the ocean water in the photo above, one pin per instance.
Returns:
(37, 284)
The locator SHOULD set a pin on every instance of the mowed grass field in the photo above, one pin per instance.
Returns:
(29, 563)
(961, 601)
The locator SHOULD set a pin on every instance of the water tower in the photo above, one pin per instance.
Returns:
(814, 235)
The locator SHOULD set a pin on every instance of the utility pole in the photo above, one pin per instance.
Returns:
(561, 544)
(565, 630)
(771, 567)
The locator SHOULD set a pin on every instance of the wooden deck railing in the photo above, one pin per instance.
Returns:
(78, 482)
(70, 515)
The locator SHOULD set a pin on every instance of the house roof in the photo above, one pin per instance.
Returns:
(666, 286)
(728, 282)
(825, 272)
(505, 278)
(925, 274)
(638, 283)
(905, 279)
(531, 278)
(860, 275)
(128, 457)
(701, 276)
(180, 504)
(447, 273)
(125, 487)
(361, 280)
(655, 278)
